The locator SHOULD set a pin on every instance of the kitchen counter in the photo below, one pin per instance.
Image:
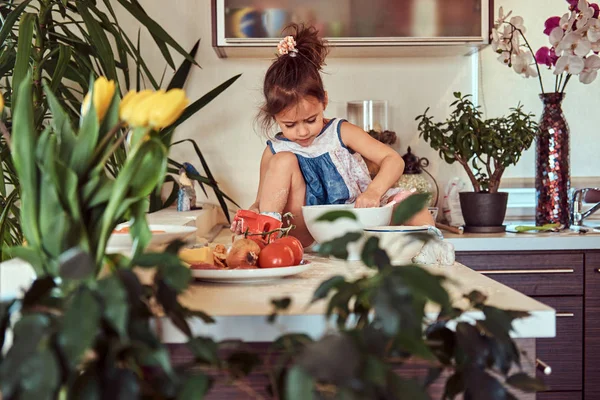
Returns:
(566, 240)
(241, 310)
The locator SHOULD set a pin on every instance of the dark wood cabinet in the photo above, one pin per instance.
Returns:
(559, 396)
(592, 326)
(564, 352)
(569, 282)
(531, 273)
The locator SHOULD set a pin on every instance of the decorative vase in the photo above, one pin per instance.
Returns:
(552, 176)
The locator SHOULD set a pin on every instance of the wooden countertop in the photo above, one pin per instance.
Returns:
(241, 309)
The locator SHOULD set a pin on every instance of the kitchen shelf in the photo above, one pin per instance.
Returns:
(355, 28)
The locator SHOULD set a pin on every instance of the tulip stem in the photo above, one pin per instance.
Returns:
(106, 139)
(113, 148)
(5, 133)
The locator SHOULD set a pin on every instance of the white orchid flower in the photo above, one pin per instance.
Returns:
(556, 35)
(569, 64)
(501, 17)
(523, 64)
(574, 43)
(585, 15)
(504, 57)
(567, 20)
(593, 33)
(590, 69)
(518, 22)
(596, 46)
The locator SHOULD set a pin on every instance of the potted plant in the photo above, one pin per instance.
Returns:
(485, 148)
(63, 43)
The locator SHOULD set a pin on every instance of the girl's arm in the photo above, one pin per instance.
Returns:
(391, 164)
(264, 162)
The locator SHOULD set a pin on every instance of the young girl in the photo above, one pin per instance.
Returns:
(315, 160)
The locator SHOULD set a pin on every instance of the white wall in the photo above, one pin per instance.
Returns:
(225, 129)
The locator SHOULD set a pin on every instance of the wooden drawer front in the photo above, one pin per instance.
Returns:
(559, 396)
(564, 353)
(531, 273)
(592, 326)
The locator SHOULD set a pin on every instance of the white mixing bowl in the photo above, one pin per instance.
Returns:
(323, 231)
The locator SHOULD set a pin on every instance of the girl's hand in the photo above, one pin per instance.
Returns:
(368, 199)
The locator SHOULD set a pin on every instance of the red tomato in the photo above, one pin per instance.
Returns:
(276, 255)
(296, 246)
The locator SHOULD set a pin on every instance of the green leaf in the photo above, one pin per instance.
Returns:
(376, 371)
(10, 20)
(526, 383)
(100, 40)
(204, 350)
(177, 276)
(373, 256)
(182, 73)
(339, 247)
(299, 385)
(29, 255)
(24, 145)
(405, 388)
(61, 124)
(75, 264)
(335, 215)
(54, 222)
(194, 388)
(24, 47)
(454, 386)
(77, 333)
(27, 334)
(409, 207)
(291, 342)
(281, 303)
(87, 139)
(199, 104)
(157, 32)
(116, 310)
(43, 376)
(87, 385)
(40, 288)
(425, 284)
(241, 363)
(64, 57)
(326, 286)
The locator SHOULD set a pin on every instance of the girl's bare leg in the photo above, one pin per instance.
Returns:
(284, 190)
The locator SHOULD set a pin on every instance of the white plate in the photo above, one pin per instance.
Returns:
(248, 275)
(171, 232)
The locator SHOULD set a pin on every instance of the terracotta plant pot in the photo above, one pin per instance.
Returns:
(483, 212)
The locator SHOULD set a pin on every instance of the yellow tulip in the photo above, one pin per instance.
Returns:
(141, 108)
(130, 101)
(1, 103)
(167, 109)
(104, 90)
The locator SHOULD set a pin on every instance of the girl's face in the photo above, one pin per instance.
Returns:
(303, 122)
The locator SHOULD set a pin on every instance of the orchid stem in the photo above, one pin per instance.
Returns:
(537, 67)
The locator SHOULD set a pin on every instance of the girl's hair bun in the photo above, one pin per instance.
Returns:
(308, 43)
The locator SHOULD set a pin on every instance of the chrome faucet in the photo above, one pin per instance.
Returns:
(577, 214)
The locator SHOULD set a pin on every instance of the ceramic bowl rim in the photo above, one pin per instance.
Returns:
(397, 229)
